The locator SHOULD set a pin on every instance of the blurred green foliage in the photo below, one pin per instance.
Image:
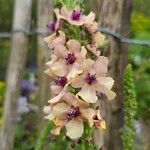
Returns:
(26, 133)
(139, 57)
(139, 22)
(4, 56)
(70, 4)
(2, 91)
(6, 12)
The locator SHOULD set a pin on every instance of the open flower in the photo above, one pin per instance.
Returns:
(94, 79)
(68, 64)
(76, 17)
(70, 59)
(58, 89)
(60, 83)
(70, 113)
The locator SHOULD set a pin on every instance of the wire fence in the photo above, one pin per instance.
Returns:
(103, 30)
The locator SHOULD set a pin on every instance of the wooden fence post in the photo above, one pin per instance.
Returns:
(115, 15)
(44, 16)
(21, 21)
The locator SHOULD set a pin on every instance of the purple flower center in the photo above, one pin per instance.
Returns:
(74, 112)
(90, 79)
(52, 26)
(76, 15)
(70, 58)
(61, 81)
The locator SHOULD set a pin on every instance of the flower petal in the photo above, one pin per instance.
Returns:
(72, 100)
(90, 18)
(55, 89)
(53, 59)
(88, 114)
(88, 94)
(75, 70)
(59, 96)
(101, 65)
(55, 39)
(108, 82)
(59, 125)
(74, 46)
(57, 13)
(47, 109)
(49, 73)
(60, 109)
(74, 128)
(98, 39)
(56, 98)
(50, 38)
(77, 82)
(64, 12)
(102, 89)
(80, 22)
(59, 68)
(50, 116)
(87, 64)
(83, 52)
(94, 50)
(92, 27)
(101, 124)
(60, 51)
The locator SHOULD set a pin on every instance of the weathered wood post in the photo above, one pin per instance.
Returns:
(21, 21)
(44, 16)
(115, 15)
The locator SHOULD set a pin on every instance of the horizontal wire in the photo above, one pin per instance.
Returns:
(123, 39)
(103, 30)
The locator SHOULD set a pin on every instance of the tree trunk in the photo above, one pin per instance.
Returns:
(115, 15)
(45, 15)
(95, 6)
(21, 20)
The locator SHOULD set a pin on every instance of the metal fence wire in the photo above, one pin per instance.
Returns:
(103, 30)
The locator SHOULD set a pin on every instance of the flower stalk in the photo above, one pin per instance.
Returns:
(79, 73)
(130, 109)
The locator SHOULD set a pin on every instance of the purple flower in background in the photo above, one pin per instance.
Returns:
(26, 87)
(22, 106)
(32, 67)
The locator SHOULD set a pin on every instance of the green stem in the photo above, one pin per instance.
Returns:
(83, 145)
(42, 137)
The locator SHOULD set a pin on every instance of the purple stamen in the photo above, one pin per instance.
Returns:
(52, 26)
(61, 81)
(70, 58)
(90, 79)
(95, 117)
(74, 112)
(76, 15)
